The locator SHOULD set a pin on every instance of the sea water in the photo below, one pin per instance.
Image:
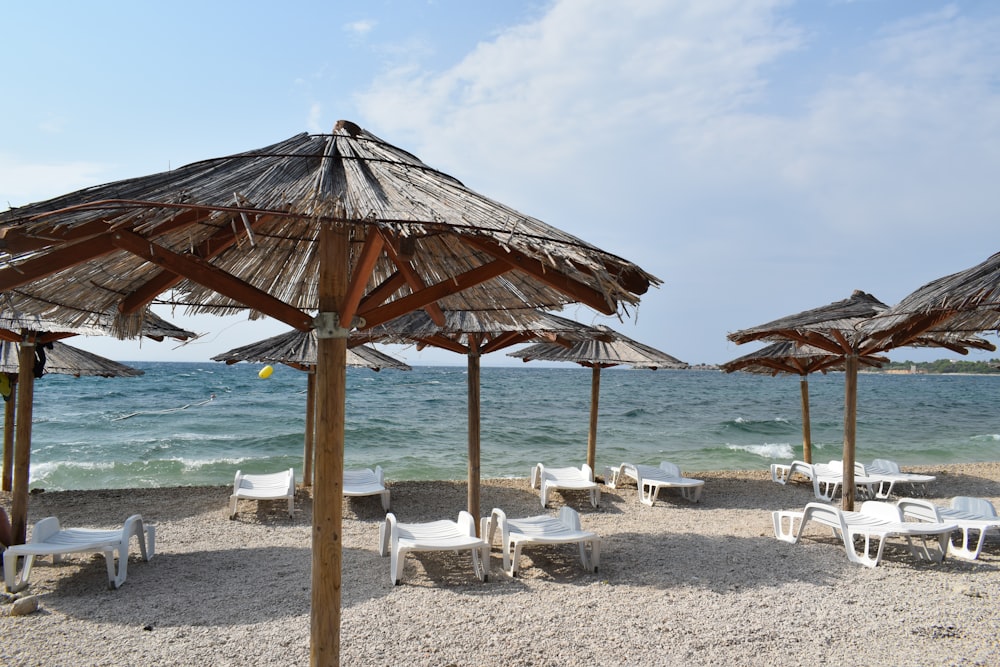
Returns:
(197, 423)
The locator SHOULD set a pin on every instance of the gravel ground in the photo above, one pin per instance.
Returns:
(680, 583)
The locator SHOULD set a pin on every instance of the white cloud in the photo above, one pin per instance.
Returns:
(667, 133)
(313, 122)
(360, 28)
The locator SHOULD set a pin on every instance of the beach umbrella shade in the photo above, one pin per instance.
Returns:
(966, 302)
(790, 358)
(834, 328)
(475, 333)
(341, 224)
(63, 359)
(602, 347)
(298, 350)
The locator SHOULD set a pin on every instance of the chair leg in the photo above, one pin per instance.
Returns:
(515, 559)
(12, 581)
(116, 577)
(396, 566)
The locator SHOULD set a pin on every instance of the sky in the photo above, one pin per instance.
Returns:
(760, 157)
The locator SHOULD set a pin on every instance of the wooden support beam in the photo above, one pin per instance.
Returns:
(214, 278)
(417, 300)
(549, 275)
(362, 272)
(328, 496)
(415, 282)
(22, 440)
(221, 240)
(47, 264)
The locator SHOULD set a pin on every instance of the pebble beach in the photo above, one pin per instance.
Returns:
(679, 583)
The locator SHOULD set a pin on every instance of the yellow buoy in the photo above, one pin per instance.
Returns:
(265, 372)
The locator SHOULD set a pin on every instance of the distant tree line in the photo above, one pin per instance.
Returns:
(945, 366)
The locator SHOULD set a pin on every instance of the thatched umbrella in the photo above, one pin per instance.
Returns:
(603, 347)
(343, 224)
(964, 302)
(834, 328)
(63, 359)
(298, 349)
(791, 358)
(475, 333)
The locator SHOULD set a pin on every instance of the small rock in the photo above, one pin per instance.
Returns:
(24, 606)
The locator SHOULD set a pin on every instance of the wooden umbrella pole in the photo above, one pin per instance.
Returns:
(850, 428)
(22, 440)
(806, 427)
(595, 394)
(473, 418)
(10, 406)
(307, 453)
(328, 498)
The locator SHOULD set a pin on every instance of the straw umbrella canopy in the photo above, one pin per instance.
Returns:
(964, 302)
(475, 333)
(603, 347)
(63, 359)
(835, 328)
(343, 224)
(298, 349)
(790, 358)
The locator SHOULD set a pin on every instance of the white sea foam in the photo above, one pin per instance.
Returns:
(769, 450)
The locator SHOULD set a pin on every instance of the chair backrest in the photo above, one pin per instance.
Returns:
(643, 471)
(670, 468)
(563, 473)
(882, 510)
(885, 465)
(978, 506)
(569, 517)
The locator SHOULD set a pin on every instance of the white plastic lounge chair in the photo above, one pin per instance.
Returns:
(48, 539)
(975, 517)
(575, 479)
(564, 529)
(827, 478)
(889, 475)
(366, 482)
(398, 539)
(876, 521)
(650, 479)
(782, 472)
(267, 486)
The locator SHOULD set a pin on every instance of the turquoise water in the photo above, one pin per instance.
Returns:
(196, 423)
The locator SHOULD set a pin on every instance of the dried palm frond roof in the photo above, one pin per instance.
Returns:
(150, 325)
(255, 216)
(794, 359)
(298, 349)
(825, 327)
(964, 302)
(604, 347)
(65, 359)
(493, 329)
(839, 327)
